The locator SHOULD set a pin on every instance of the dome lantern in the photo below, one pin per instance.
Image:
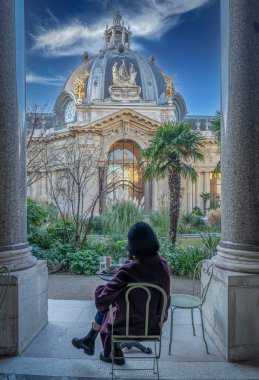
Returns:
(117, 35)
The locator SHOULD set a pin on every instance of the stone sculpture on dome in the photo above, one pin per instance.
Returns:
(117, 17)
(124, 84)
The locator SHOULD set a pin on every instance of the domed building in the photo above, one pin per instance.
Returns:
(117, 100)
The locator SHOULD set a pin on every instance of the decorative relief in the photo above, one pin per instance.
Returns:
(124, 85)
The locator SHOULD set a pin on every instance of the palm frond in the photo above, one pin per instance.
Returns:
(173, 146)
(217, 170)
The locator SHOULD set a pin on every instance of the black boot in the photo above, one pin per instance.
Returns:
(118, 354)
(87, 343)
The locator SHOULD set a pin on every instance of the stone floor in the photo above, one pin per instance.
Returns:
(80, 287)
(51, 356)
(71, 309)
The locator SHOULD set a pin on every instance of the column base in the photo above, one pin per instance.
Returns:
(17, 257)
(237, 258)
(231, 314)
(24, 311)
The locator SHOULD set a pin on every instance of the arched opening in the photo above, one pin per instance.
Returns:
(124, 175)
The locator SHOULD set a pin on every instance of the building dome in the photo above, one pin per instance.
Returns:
(148, 77)
(117, 75)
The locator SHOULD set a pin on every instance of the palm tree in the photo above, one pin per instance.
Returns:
(217, 133)
(169, 155)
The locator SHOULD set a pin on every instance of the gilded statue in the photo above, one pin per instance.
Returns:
(80, 85)
(169, 87)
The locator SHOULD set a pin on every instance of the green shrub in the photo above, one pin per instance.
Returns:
(52, 256)
(160, 220)
(210, 242)
(58, 231)
(197, 211)
(96, 227)
(191, 223)
(36, 214)
(113, 247)
(39, 236)
(53, 212)
(82, 262)
(121, 216)
(182, 262)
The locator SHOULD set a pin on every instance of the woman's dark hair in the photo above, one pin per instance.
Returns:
(142, 240)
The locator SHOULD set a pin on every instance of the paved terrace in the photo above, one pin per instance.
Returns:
(51, 356)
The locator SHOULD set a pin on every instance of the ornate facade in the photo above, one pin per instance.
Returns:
(118, 99)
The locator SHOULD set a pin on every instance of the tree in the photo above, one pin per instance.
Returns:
(217, 133)
(205, 198)
(170, 155)
(37, 123)
(72, 183)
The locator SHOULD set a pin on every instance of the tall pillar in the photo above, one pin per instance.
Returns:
(154, 196)
(147, 193)
(206, 182)
(24, 311)
(198, 191)
(232, 306)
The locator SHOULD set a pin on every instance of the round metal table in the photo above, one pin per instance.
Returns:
(129, 345)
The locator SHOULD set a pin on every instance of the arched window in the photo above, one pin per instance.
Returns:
(70, 112)
(124, 176)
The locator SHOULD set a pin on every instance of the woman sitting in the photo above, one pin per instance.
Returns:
(146, 266)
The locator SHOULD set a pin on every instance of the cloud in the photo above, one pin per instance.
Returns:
(149, 19)
(40, 79)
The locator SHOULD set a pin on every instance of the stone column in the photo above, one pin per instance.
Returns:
(198, 191)
(193, 194)
(206, 182)
(232, 307)
(154, 195)
(14, 248)
(201, 189)
(24, 311)
(239, 246)
(147, 196)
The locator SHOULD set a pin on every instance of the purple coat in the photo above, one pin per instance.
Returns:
(152, 270)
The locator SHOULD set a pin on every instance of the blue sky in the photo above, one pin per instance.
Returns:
(182, 34)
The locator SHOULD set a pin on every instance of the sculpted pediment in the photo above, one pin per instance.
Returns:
(126, 122)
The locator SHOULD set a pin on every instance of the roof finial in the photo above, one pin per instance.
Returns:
(117, 17)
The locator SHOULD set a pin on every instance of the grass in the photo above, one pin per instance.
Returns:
(184, 242)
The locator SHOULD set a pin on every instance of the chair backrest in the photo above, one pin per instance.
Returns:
(146, 287)
(4, 283)
(203, 274)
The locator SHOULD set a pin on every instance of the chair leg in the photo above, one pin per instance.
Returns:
(112, 355)
(156, 359)
(154, 367)
(171, 332)
(203, 333)
(193, 327)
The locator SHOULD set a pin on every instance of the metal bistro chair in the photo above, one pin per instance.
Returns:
(203, 269)
(4, 284)
(151, 338)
